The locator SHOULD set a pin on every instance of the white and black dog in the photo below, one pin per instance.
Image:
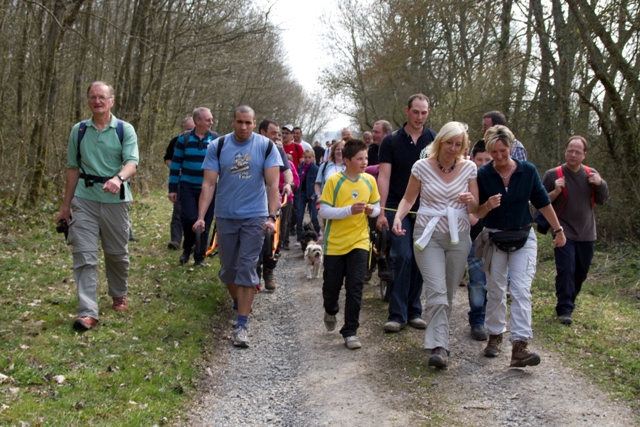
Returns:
(313, 259)
(308, 235)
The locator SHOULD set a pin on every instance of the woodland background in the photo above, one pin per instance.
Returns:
(555, 68)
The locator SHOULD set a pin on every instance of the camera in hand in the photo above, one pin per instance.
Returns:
(62, 226)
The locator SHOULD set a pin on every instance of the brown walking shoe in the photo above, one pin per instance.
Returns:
(120, 303)
(85, 323)
(521, 357)
(269, 281)
(494, 346)
(439, 358)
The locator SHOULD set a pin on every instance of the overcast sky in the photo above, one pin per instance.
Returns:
(300, 22)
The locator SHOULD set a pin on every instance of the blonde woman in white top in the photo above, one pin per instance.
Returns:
(448, 190)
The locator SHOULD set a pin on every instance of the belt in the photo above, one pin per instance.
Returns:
(526, 227)
(90, 180)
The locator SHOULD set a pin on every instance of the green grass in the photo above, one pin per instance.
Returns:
(137, 367)
(604, 340)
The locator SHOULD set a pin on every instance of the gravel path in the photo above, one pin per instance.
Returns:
(297, 374)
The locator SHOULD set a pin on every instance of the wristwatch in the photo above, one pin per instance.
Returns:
(121, 178)
(273, 217)
(558, 230)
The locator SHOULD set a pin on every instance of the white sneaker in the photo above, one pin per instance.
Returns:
(239, 337)
(297, 243)
(352, 342)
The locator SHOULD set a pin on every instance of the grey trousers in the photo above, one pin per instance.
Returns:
(442, 265)
(93, 221)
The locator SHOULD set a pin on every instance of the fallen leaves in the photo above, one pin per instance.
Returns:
(6, 379)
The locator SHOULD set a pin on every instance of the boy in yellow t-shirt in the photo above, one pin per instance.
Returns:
(348, 197)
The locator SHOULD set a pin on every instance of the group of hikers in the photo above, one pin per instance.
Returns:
(450, 207)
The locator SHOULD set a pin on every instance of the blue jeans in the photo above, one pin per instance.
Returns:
(477, 289)
(406, 279)
(303, 202)
(572, 265)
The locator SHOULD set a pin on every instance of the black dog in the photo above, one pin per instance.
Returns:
(308, 235)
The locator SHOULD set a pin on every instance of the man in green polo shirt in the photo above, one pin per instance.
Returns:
(97, 193)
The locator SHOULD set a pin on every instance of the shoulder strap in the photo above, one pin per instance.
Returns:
(269, 148)
(394, 138)
(81, 131)
(120, 131)
(220, 143)
(564, 190)
(185, 137)
(587, 169)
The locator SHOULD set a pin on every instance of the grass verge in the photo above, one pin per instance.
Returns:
(140, 367)
(604, 339)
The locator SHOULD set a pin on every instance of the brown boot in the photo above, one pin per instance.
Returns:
(521, 357)
(269, 282)
(494, 346)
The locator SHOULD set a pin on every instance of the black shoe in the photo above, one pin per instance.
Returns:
(199, 263)
(184, 258)
(174, 246)
(565, 319)
(133, 239)
(478, 333)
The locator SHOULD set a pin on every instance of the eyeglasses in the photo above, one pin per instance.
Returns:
(100, 98)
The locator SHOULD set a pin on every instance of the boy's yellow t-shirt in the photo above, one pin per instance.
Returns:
(341, 236)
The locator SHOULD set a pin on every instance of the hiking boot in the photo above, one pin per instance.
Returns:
(439, 357)
(184, 258)
(352, 342)
(120, 303)
(494, 346)
(174, 246)
(521, 357)
(233, 320)
(394, 326)
(330, 321)
(565, 319)
(269, 281)
(418, 323)
(239, 337)
(85, 323)
(478, 333)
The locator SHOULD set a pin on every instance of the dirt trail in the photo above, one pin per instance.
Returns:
(297, 374)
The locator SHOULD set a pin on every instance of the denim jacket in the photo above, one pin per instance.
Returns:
(310, 180)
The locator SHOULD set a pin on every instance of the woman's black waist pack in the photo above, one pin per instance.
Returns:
(510, 240)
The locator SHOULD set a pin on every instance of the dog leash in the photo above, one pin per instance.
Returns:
(396, 210)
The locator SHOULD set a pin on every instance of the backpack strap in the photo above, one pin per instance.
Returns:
(220, 143)
(564, 190)
(593, 187)
(269, 148)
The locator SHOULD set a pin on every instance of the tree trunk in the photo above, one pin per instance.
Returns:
(64, 15)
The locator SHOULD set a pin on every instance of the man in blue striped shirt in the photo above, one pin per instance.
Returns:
(186, 174)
